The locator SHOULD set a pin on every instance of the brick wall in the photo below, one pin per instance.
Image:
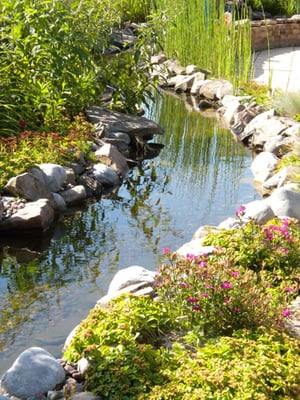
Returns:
(283, 32)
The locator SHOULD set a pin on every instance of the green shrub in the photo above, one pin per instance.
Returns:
(261, 365)
(215, 331)
(136, 352)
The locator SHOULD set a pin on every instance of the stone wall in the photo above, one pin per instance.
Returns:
(283, 32)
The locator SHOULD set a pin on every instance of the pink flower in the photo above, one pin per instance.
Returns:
(211, 287)
(240, 211)
(235, 274)
(286, 312)
(226, 285)
(196, 308)
(289, 289)
(193, 299)
(203, 294)
(202, 264)
(184, 285)
(191, 256)
(166, 250)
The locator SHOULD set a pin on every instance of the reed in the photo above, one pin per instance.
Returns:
(196, 32)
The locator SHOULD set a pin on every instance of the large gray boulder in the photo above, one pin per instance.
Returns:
(259, 211)
(27, 186)
(286, 175)
(187, 82)
(129, 276)
(114, 121)
(36, 215)
(285, 203)
(33, 373)
(55, 176)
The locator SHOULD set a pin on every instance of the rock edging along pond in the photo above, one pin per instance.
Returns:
(284, 201)
(48, 189)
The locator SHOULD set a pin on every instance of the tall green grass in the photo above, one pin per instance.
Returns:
(195, 32)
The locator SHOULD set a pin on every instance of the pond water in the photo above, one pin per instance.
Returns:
(49, 283)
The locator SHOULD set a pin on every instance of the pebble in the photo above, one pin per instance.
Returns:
(11, 205)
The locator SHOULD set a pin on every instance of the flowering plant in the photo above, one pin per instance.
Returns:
(211, 293)
(247, 282)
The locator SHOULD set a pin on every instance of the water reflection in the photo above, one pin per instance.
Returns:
(48, 283)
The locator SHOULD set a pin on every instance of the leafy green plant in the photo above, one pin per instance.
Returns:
(132, 10)
(137, 351)
(261, 93)
(53, 65)
(260, 365)
(215, 331)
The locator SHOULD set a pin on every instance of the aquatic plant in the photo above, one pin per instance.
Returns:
(197, 32)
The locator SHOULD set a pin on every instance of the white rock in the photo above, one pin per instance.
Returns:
(286, 175)
(230, 223)
(191, 69)
(33, 373)
(111, 156)
(263, 165)
(105, 175)
(258, 210)
(130, 276)
(27, 186)
(285, 203)
(231, 108)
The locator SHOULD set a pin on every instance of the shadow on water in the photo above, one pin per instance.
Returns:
(49, 282)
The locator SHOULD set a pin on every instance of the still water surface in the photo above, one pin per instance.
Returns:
(48, 284)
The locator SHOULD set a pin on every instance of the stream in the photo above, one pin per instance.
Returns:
(49, 283)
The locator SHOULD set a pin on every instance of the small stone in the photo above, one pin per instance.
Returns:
(78, 376)
(55, 395)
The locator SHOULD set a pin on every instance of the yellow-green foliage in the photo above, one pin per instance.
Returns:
(19, 153)
(136, 351)
(215, 331)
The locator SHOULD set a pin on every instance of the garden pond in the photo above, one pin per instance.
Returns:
(48, 283)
